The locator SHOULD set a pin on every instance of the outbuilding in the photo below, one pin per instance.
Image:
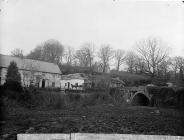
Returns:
(77, 81)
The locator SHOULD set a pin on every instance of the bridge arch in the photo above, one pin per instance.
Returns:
(140, 99)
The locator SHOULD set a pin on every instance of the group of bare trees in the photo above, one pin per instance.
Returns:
(152, 53)
(84, 56)
(17, 52)
(149, 56)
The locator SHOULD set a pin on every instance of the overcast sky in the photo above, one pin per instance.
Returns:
(26, 23)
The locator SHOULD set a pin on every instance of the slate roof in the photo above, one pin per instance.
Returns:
(29, 64)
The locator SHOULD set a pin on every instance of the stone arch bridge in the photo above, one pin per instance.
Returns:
(138, 96)
(141, 96)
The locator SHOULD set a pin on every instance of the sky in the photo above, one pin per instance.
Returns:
(27, 23)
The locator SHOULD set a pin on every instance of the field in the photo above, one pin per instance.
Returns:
(93, 119)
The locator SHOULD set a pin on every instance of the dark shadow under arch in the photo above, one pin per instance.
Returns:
(140, 100)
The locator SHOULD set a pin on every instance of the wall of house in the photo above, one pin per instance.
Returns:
(3, 72)
(38, 79)
(64, 83)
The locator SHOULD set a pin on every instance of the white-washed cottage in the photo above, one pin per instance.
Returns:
(33, 72)
(76, 81)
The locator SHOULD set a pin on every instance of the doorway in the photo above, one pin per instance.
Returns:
(43, 83)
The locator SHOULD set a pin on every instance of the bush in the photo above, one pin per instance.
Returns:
(117, 96)
(95, 98)
(180, 98)
(13, 85)
(165, 95)
(57, 100)
(13, 78)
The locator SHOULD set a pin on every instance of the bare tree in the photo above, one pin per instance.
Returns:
(17, 52)
(105, 54)
(97, 66)
(140, 65)
(181, 75)
(81, 56)
(88, 49)
(131, 61)
(119, 58)
(177, 63)
(153, 51)
(163, 69)
(69, 55)
(85, 55)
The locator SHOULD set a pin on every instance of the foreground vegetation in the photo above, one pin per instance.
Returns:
(94, 119)
(55, 112)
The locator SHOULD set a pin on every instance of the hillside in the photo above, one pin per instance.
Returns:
(129, 78)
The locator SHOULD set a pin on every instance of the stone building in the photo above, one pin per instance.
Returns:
(76, 81)
(33, 72)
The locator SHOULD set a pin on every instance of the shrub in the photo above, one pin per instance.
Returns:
(13, 78)
(166, 96)
(56, 100)
(13, 85)
(180, 98)
(94, 99)
(117, 96)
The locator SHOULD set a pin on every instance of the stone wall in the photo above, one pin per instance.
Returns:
(38, 79)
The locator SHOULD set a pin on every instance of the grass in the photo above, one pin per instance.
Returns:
(99, 112)
(132, 79)
(95, 119)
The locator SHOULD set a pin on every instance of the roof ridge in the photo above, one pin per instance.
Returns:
(28, 59)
